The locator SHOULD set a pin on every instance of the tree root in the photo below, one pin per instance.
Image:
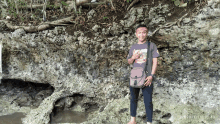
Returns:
(167, 25)
(40, 27)
(48, 6)
(112, 4)
(171, 24)
(131, 5)
(93, 5)
(32, 6)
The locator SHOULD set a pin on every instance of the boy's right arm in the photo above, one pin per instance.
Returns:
(135, 55)
(130, 61)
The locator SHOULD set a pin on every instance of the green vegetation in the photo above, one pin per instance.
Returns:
(65, 4)
(105, 17)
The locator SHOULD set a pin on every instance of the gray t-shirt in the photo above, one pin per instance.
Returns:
(143, 57)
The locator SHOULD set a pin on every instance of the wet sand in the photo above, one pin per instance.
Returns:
(69, 116)
(14, 118)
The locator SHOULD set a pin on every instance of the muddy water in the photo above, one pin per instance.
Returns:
(66, 116)
(69, 116)
(12, 119)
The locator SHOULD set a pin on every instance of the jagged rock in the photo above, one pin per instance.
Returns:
(23, 99)
(2, 27)
(91, 14)
(186, 20)
(157, 21)
(116, 29)
(95, 28)
(154, 17)
(79, 109)
(214, 32)
(18, 32)
(105, 31)
(3, 12)
(59, 30)
(130, 22)
(69, 101)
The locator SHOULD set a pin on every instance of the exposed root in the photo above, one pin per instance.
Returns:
(31, 6)
(167, 25)
(131, 5)
(172, 23)
(40, 27)
(93, 5)
(112, 4)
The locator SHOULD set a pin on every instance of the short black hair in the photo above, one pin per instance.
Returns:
(141, 25)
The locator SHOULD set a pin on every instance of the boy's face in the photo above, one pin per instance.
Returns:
(141, 33)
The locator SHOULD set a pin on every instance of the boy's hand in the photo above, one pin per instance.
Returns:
(148, 81)
(136, 55)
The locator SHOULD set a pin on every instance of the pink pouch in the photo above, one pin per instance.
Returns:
(137, 77)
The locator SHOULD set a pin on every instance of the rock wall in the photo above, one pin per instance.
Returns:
(187, 86)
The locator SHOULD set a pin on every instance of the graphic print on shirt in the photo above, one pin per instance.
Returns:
(143, 56)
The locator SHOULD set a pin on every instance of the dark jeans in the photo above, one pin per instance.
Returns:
(147, 93)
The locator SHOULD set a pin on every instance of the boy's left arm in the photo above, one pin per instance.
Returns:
(150, 78)
(154, 66)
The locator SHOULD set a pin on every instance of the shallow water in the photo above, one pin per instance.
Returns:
(69, 116)
(14, 118)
